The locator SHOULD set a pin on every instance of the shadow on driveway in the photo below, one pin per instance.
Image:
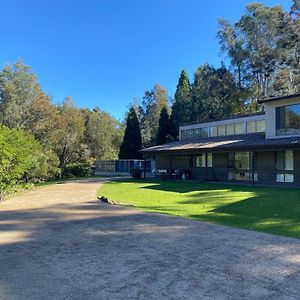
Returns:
(59, 242)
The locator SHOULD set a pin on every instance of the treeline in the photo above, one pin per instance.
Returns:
(58, 139)
(262, 55)
(262, 51)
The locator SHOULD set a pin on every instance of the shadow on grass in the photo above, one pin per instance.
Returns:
(268, 209)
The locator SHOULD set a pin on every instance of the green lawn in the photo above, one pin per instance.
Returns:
(269, 209)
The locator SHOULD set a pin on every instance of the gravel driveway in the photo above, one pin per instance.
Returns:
(59, 242)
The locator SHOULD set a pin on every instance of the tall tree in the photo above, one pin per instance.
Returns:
(153, 102)
(18, 89)
(103, 135)
(215, 94)
(257, 48)
(164, 127)
(290, 66)
(181, 111)
(69, 145)
(132, 141)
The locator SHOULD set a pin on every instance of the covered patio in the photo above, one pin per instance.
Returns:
(245, 158)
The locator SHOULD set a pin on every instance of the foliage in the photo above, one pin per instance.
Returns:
(136, 173)
(18, 90)
(268, 209)
(153, 102)
(66, 134)
(103, 134)
(77, 170)
(215, 94)
(182, 104)
(20, 158)
(263, 47)
(132, 141)
(163, 127)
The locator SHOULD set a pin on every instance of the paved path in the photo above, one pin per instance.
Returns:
(58, 242)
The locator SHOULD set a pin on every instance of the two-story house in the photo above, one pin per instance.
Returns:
(262, 148)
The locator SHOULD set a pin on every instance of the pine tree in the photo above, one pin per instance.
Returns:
(164, 127)
(153, 102)
(132, 141)
(182, 105)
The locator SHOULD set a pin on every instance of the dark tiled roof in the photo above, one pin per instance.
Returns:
(271, 99)
(235, 142)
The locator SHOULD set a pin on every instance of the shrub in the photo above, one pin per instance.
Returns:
(136, 173)
(19, 156)
(77, 170)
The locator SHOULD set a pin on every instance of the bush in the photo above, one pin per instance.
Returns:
(19, 155)
(77, 170)
(136, 173)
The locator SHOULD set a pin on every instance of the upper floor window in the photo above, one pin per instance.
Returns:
(256, 126)
(288, 120)
(213, 131)
(223, 130)
(239, 128)
(230, 129)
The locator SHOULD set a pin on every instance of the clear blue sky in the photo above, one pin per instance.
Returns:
(106, 52)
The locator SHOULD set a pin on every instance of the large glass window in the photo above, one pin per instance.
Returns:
(239, 167)
(242, 160)
(284, 160)
(284, 166)
(288, 120)
(223, 130)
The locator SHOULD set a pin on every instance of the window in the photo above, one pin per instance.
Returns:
(240, 167)
(197, 133)
(221, 130)
(190, 134)
(284, 160)
(260, 126)
(288, 120)
(209, 160)
(284, 166)
(204, 132)
(284, 177)
(251, 127)
(229, 129)
(199, 161)
(183, 134)
(239, 128)
(213, 131)
(231, 160)
(242, 160)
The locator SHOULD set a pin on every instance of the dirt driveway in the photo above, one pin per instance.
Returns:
(59, 242)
